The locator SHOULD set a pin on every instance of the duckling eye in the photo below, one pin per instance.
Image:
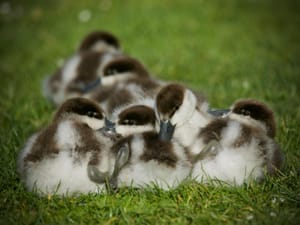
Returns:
(93, 114)
(112, 71)
(245, 112)
(176, 108)
(129, 122)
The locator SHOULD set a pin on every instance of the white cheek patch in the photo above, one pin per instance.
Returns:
(112, 79)
(102, 46)
(186, 109)
(93, 123)
(126, 130)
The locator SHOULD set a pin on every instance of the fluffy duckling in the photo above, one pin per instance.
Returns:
(152, 161)
(79, 75)
(100, 41)
(239, 147)
(125, 80)
(135, 118)
(71, 153)
(82, 72)
(181, 114)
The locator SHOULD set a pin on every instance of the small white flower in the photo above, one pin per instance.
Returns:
(273, 214)
(274, 200)
(84, 15)
(250, 217)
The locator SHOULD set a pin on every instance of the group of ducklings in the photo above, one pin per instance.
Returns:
(117, 126)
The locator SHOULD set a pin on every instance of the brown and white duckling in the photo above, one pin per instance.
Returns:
(125, 80)
(152, 161)
(181, 114)
(78, 76)
(100, 41)
(71, 153)
(135, 118)
(238, 147)
(82, 72)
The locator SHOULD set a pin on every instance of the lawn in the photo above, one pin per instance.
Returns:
(226, 49)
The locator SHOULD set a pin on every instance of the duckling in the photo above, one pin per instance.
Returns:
(62, 158)
(238, 147)
(81, 73)
(125, 80)
(99, 41)
(152, 161)
(134, 118)
(181, 114)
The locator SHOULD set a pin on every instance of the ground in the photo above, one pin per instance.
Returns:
(226, 49)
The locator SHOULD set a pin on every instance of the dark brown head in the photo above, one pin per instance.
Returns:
(136, 119)
(169, 99)
(78, 76)
(137, 115)
(82, 109)
(257, 111)
(93, 38)
(87, 77)
(126, 66)
(174, 106)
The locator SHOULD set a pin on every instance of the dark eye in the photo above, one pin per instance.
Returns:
(129, 122)
(176, 108)
(111, 71)
(245, 112)
(93, 114)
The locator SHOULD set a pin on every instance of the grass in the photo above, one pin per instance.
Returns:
(228, 50)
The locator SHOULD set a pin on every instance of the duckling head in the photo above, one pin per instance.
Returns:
(256, 111)
(174, 105)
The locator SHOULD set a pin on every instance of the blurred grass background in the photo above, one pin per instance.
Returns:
(227, 49)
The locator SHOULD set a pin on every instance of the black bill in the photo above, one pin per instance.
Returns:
(109, 127)
(87, 88)
(166, 130)
(218, 112)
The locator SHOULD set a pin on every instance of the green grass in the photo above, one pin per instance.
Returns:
(227, 49)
